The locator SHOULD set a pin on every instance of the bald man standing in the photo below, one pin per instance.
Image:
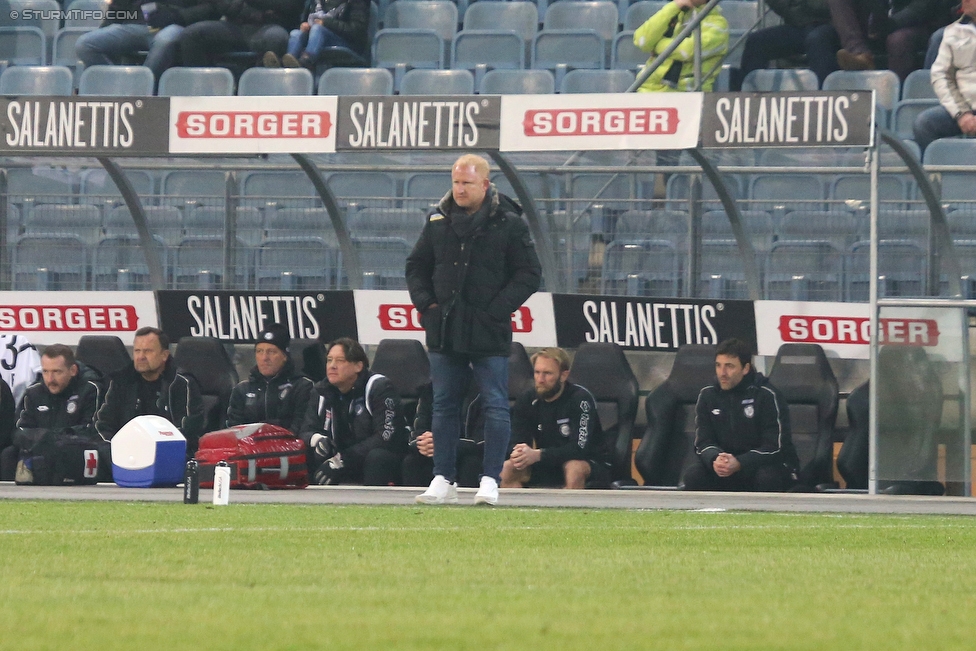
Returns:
(472, 267)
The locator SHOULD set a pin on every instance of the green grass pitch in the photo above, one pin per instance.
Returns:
(151, 576)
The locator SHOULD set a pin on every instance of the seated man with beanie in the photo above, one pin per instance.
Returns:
(354, 426)
(274, 392)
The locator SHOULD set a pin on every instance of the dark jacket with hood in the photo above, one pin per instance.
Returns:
(477, 270)
(280, 400)
(750, 421)
(368, 416)
(801, 13)
(178, 12)
(72, 411)
(178, 401)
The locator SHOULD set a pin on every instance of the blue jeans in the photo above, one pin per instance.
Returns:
(932, 124)
(108, 45)
(451, 374)
(312, 41)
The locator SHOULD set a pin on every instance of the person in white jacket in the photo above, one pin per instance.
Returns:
(954, 82)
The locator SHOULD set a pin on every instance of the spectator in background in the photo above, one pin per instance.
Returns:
(805, 30)
(274, 393)
(137, 26)
(677, 72)
(152, 386)
(327, 23)
(245, 25)
(473, 265)
(20, 364)
(954, 81)
(556, 428)
(742, 435)
(354, 426)
(903, 26)
(63, 402)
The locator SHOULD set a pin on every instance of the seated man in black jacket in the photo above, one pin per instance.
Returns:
(558, 438)
(152, 386)
(63, 403)
(354, 427)
(743, 429)
(274, 393)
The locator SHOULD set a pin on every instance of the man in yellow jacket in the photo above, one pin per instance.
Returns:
(678, 70)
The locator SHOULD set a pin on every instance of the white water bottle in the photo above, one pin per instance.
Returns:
(221, 486)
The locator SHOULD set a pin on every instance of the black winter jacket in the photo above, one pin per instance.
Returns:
(476, 281)
(258, 13)
(70, 412)
(179, 12)
(281, 400)
(179, 402)
(750, 421)
(574, 433)
(368, 416)
(801, 13)
(348, 19)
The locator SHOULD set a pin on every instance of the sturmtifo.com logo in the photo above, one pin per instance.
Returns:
(31, 14)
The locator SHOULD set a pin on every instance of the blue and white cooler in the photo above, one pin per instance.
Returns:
(147, 452)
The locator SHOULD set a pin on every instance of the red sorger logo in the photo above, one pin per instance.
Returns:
(66, 318)
(601, 122)
(253, 124)
(794, 328)
(406, 318)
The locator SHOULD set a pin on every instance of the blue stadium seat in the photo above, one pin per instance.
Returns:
(780, 193)
(837, 227)
(81, 13)
(438, 15)
(517, 82)
(84, 222)
(679, 186)
(208, 221)
(403, 223)
(722, 273)
(903, 118)
(36, 80)
(119, 263)
(194, 188)
(49, 262)
(289, 223)
(598, 15)
(638, 13)
(669, 225)
(765, 81)
(63, 50)
(117, 81)
(596, 81)
(907, 225)
(918, 85)
(804, 271)
(382, 261)
(276, 81)
(624, 55)
(757, 223)
(427, 185)
(271, 190)
(198, 263)
(520, 17)
(885, 82)
(479, 51)
(45, 16)
(563, 50)
(356, 81)
(98, 189)
(165, 222)
(646, 267)
(902, 269)
(299, 263)
(359, 189)
(854, 191)
(437, 82)
(29, 186)
(190, 82)
(958, 189)
(401, 49)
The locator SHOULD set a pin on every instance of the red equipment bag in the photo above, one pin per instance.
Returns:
(259, 456)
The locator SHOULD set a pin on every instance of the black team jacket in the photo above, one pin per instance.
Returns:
(280, 400)
(750, 421)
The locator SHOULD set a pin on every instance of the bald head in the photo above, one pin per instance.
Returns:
(469, 182)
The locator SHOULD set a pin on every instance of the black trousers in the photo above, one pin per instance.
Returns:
(773, 478)
(381, 467)
(201, 43)
(418, 470)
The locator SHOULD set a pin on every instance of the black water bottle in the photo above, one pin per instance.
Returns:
(191, 483)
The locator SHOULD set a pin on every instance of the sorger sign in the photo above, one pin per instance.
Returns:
(252, 125)
(391, 315)
(64, 317)
(595, 121)
(844, 329)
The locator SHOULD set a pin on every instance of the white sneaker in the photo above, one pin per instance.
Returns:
(487, 492)
(440, 491)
